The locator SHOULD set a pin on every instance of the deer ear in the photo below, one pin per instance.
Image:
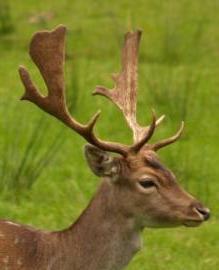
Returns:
(101, 162)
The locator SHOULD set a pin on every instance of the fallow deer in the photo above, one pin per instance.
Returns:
(136, 189)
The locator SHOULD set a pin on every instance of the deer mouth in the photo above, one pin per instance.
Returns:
(203, 215)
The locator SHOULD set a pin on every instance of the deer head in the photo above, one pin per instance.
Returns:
(141, 186)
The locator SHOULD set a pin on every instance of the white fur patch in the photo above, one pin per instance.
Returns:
(12, 223)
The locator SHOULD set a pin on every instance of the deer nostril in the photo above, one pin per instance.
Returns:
(205, 212)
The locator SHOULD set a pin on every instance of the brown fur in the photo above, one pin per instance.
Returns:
(107, 234)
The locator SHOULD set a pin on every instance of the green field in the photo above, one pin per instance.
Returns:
(44, 179)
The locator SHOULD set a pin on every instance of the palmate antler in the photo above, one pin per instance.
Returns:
(124, 95)
(47, 50)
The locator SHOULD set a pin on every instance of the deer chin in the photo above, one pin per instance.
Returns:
(192, 223)
(157, 224)
(173, 223)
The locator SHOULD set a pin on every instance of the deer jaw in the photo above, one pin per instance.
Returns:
(146, 190)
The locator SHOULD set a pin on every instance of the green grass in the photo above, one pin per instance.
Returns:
(178, 76)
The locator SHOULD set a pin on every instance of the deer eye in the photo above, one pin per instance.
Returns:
(147, 183)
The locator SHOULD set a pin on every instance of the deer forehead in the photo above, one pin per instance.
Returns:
(143, 160)
(147, 163)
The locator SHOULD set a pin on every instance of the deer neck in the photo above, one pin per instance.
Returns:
(102, 237)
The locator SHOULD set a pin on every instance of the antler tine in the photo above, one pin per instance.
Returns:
(148, 134)
(47, 51)
(168, 141)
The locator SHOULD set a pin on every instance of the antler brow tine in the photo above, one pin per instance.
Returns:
(170, 140)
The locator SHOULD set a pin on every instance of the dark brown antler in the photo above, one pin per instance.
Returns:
(47, 52)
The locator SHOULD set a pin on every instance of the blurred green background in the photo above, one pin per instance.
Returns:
(44, 179)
